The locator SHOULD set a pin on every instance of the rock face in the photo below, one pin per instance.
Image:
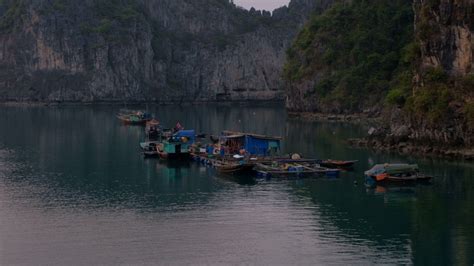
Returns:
(344, 60)
(433, 103)
(444, 31)
(146, 50)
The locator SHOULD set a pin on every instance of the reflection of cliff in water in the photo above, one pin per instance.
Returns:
(315, 139)
(86, 157)
(213, 119)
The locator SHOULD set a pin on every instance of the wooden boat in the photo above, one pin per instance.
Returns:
(407, 178)
(224, 164)
(151, 148)
(152, 123)
(281, 160)
(279, 169)
(233, 167)
(337, 164)
(153, 129)
(395, 173)
(173, 156)
(134, 117)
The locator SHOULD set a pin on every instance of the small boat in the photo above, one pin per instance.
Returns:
(151, 148)
(154, 131)
(395, 173)
(152, 128)
(289, 169)
(224, 164)
(134, 117)
(337, 164)
(233, 167)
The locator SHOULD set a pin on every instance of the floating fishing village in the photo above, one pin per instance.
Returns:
(236, 132)
(250, 155)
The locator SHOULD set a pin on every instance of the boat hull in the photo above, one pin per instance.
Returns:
(174, 156)
(234, 168)
(126, 121)
(298, 171)
(399, 180)
(151, 154)
(338, 164)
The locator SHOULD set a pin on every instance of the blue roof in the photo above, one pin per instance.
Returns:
(258, 146)
(190, 134)
(185, 133)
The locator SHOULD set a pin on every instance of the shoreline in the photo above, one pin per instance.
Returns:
(114, 103)
(380, 143)
(325, 117)
(410, 148)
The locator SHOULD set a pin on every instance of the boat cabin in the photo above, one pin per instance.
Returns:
(180, 142)
(392, 169)
(252, 144)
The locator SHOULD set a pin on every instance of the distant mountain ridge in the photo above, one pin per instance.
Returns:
(146, 50)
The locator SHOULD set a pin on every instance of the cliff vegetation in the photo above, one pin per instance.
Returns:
(408, 62)
(348, 58)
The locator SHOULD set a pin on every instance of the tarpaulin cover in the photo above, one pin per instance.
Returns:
(190, 134)
(258, 146)
(392, 169)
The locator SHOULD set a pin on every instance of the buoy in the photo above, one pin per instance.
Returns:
(295, 156)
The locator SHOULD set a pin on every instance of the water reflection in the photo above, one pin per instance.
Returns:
(72, 179)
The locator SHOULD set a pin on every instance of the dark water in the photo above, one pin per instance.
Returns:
(75, 190)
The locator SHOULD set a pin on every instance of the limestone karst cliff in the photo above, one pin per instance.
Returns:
(409, 62)
(346, 59)
(444, 30)
(439, 107)
(146, 50)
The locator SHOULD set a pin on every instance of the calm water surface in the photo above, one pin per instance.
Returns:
(74, 189)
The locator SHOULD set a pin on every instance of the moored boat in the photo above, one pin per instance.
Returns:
(395, 173)
(233, 167)
(337, 164)
(177, 146)
(151, 148)
(134, 117)
(294, 168)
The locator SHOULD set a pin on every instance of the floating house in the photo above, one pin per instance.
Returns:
(179, 144)
(253, 144)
